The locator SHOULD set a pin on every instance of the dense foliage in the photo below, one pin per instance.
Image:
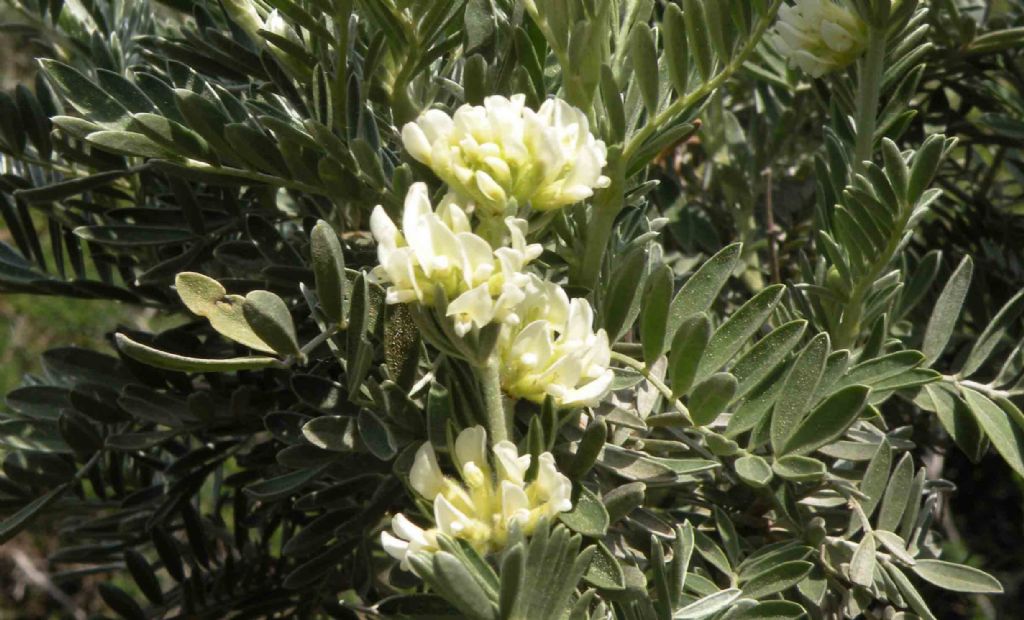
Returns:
(490, 309)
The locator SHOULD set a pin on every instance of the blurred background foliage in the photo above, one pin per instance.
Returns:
(29, 325)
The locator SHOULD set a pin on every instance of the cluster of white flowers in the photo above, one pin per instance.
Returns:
(554, 350)
(439, 250)
(493, 496)
(502, 151)
(819, 36)
(548, 345)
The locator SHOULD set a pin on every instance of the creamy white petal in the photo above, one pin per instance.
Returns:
(425, 476)
(471, 446)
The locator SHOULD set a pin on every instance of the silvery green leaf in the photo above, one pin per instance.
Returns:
(460, 588)
(708, 606)
(923, 166)
(994, 333)
(1006, 436)
(688, 347)
(269, 318)
(621, 500)
(207, 298)
(895, 545)
(711, 552)
(753, 470)
(622, 301)
(759, 361)
(329, 269)
(771, 555)
(862, 566)
(677, 54)
(710, 397)
(956, 418)
(696, 37)
(702, 288)
(957, 577)
(799, 468)
(828, 421)
(654, 312)
(604, 571)
(170, 361)
(588, 515)
(897, 494)
(128, 143)
(909, 592)
(682, 552)
(737, 329)
(875, 478)
(644, 58)
(776, 579)
(947, 309)
(86, 96)
(798, 390)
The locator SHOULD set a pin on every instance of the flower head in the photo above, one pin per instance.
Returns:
(438, 250)
(501, 151)
(819, 36)
(491, 497)
(555, 350)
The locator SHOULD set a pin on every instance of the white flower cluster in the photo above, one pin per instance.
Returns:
(493, 496)
(554, 350)
(819, 36)
(439, 249)
(503, 151)
(547, 345)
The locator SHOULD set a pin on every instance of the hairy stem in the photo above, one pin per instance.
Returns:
(869, 78)
(490, 383)
(870, 71)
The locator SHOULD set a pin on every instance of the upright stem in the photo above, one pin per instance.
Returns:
(869, 91)
(869, 72)
(490, 382)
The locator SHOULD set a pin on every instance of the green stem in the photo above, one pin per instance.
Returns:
(850, 324)
(655, 381)
(870, 71)
(869, 77)
(490, 383)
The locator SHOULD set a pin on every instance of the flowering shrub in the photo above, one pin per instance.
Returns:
(517, 310)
